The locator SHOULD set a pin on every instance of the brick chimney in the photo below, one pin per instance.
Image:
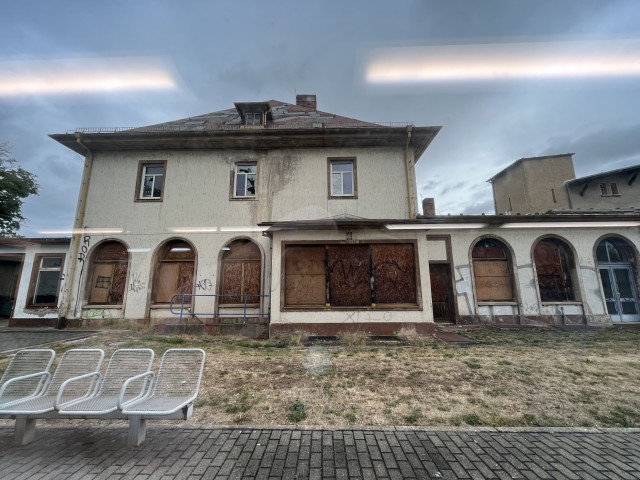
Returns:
(308, 101)
(428, 206)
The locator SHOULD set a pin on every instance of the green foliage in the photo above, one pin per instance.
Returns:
(16, 184)
(298, 412)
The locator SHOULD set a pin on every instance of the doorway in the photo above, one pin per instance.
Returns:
(615, 260)
(441, 292)
(10, 268)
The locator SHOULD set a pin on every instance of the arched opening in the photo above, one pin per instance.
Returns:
(492, 271)
(109, 278)
(174, 272)
(556, 271)
(616, 264)
(241, 272)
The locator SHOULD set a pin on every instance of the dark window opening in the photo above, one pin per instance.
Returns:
(555, 269)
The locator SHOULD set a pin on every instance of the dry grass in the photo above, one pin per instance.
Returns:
(543, 377)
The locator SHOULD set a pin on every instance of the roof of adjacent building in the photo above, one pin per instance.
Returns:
(287, 125)
(526, 159)
(633, 170)
(24, 241)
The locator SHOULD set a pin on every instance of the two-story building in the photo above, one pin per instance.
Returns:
(309, 220)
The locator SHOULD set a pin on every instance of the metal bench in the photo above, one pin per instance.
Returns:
(78, 391)
(23, 377)
(172, 394)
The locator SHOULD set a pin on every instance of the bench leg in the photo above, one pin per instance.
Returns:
(25, 430)
(137, 431)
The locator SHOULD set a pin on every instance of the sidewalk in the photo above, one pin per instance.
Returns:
(98, 451)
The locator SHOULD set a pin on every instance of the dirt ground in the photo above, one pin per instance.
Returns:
(532, 377)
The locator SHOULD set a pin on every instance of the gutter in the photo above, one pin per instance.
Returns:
(408, 173)
(77, 226)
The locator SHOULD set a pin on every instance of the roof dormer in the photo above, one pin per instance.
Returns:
(254, 114)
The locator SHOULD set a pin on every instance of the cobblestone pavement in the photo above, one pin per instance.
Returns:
(98, 451)
(13, 339)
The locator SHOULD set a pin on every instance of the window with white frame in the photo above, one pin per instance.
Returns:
(614, 189)
(45, 280)
(342, 178)
(151, 181)
(245, 179)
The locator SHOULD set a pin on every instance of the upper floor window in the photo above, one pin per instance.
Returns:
(342, 177)
(151, 181)
(45, 280)
(614, 189)
(245, 178)
(609, 189)
(254, 119)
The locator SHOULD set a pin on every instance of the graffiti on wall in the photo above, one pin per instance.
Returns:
(204, 284)
(136, 284)
(97, 313)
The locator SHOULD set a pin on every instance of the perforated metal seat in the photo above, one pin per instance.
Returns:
(124, 364)
(73, 363)
(175, 386)
(24, 377)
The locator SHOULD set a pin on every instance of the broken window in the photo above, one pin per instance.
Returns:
(45, 280)
(492, 271)
(109, 277)
(349, 275)
(175, 272)
(555, 269)
(150, 181)
(241, 272)
(245, 180)
(342, 177)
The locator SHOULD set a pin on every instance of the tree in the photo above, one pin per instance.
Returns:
(16, 184)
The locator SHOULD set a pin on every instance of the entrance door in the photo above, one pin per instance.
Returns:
(9, 276)
(441, 293)
(620, 292)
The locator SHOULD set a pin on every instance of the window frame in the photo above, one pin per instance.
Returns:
(507, 260)
(35, 279)
(140, 183)
(234, 181)
(254, 115)
(613, 186)
(327, 307)
(160, 263)
(354, 174)
(571, 273)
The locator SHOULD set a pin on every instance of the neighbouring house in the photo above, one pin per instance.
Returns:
(615, 189)
(31, 278)
(298, 219)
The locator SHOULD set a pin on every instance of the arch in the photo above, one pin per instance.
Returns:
(174, 271)
(556, 270)
(108, 274)
(616, 259)
(493, 277)
(241, 272)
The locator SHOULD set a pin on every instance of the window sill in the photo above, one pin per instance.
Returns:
(91, 306)
(167, 306)
(545, 304)
(378, 307)
(148, 200)
(343, 197)
(506, 302)
(47, 306)
(250, 199)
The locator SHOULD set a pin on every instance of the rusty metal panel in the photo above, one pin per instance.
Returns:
(118, 284)
(166, 281)
(305, 279)
(394, 275)
(112, 251)
(349, 275)
(441, 296)
(185, 279)
(242, 250)
(251, 281)
(552, 267)
(100, 284)
(231, 282)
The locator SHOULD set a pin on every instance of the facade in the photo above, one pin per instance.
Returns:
(300, 219)
(612, 190)
(31, 279)
(533, 185)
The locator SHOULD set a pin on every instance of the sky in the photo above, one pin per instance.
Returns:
(505, 79)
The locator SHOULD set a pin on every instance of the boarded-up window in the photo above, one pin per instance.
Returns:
(492, 271)
(554, 264)
(241, 273)
(349, 275)
(109, 277)
(305, 279)
(174, 274)
(394, 273)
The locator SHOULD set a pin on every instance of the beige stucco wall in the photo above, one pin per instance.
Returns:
(534, 185)
(628, 195)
